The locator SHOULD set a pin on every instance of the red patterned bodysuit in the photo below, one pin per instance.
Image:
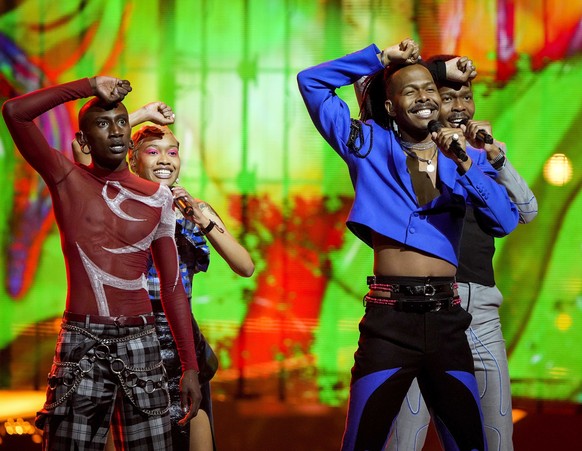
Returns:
(107, 221)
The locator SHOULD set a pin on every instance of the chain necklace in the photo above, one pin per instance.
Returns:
(406, 146)
(417, 146)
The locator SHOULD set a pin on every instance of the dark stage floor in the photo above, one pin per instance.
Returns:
(264, 423)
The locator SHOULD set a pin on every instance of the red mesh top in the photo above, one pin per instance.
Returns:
(107, 222)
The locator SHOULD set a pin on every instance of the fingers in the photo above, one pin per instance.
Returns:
(111, 89)
(179, 191)
(466, 66)
(190, 395)
(165, 110)
(120, 90)
(190, 412)
(407, 51)
(447, 138)
(410, 50)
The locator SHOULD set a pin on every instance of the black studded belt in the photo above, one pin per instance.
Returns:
(119, 321)
(413, 294)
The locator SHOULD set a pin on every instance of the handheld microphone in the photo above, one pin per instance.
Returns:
(184, 206)
(482, 135)
(435, 126)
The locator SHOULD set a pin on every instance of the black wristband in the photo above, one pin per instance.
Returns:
(206, 230)
(497, 165)
(438, 70)
(498, 161)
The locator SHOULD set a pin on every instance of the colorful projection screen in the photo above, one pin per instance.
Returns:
(249, 149)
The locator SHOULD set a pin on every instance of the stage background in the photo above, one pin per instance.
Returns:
(249, 148)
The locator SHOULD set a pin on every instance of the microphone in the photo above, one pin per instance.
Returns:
(482, 135)
(184, 206)
(435, 126)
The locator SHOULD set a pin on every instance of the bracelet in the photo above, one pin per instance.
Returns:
(206, 230)
(498, 161)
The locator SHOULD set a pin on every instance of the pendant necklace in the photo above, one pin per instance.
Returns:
(406, 146)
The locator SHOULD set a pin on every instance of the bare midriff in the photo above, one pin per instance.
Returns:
(393, 259)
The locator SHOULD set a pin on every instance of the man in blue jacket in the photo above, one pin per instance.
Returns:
(476, 284)
(411, 190)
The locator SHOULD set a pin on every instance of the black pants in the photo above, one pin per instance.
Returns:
(394, 348)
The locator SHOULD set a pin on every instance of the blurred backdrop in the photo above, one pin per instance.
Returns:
(286, 336)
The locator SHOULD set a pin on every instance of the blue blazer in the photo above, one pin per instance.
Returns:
(385, 201)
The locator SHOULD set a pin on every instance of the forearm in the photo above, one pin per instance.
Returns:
(19, 114)
(233, 253)
(137, 117)
(519, 192)
(174, 301)
(496, 213)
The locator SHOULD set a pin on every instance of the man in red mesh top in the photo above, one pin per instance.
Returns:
(107, 368)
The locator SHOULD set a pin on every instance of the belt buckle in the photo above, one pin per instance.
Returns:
(430, 292)
(119, 321)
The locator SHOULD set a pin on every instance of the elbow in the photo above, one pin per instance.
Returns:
(247, 270)
(301, 76)
(8, 109)
(510, 225)
(531, 213)
(242, 268)
(527, 217)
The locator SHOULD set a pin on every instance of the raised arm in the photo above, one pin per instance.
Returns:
(156, 112)
(19, 114)
(317, 84)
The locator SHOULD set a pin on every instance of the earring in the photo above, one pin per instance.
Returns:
(88, 147)
(131, 144)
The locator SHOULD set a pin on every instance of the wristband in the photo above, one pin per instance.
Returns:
(206, 230)
(498, 161)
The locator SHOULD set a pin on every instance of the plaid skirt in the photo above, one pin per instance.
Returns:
(106, 375)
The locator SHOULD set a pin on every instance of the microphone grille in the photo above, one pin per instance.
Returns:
(434, 126)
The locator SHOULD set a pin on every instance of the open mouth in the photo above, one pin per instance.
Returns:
(423, 113)
(457, 121)
(163, 173)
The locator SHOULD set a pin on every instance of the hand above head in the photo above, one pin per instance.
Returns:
(190, 395)
(111, 89)
(157, 112)
(460, 69)
(407, 52)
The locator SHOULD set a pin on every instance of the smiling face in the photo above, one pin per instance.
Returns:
(106, 130)
(457, 104)
(156, 155)
(412, 100)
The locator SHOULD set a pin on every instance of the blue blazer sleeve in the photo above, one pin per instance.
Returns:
(317, 85)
